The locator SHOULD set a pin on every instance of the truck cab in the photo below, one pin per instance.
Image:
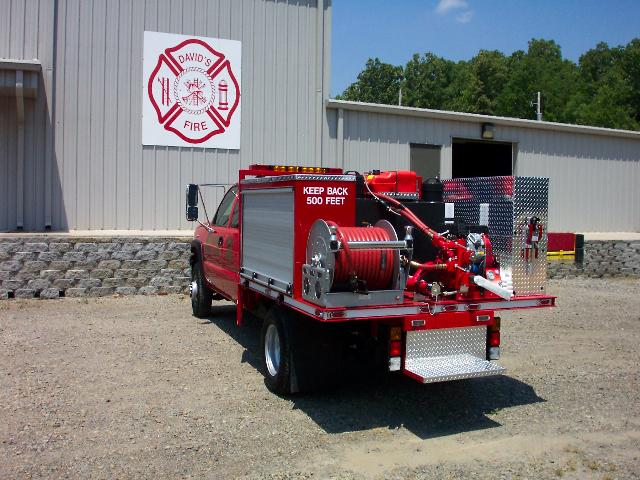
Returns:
(215, 259)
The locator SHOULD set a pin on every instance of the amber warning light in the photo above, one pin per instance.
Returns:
(296, 169)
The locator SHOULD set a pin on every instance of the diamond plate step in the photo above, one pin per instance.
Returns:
(450, 367)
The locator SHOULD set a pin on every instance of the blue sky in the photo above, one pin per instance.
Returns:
(393, 30)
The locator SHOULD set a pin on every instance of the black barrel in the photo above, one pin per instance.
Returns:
(579, 255)
(432, 190)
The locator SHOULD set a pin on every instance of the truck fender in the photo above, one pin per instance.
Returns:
(196, 252)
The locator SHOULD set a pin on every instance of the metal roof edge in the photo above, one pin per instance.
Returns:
(478, 118)
(20, 64)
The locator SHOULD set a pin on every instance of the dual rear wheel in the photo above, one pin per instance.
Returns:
(299, 354)
(276, 352)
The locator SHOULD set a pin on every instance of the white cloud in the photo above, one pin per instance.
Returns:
(465, 17)
(445, 6)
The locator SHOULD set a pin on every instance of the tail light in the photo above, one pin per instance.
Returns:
(395, 334)
(493, 340)
(395, 341)
(395, 348)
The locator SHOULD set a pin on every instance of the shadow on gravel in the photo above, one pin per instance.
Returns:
(428, 411)
(363, 400)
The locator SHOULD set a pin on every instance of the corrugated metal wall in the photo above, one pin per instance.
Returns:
(102, 176)
(594, 179)
(26, 32)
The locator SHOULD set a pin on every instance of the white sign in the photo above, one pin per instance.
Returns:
(484, 214)
(449, 210)
(191, 91)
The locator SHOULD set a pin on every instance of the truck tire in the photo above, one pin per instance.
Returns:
(276, 351)
(200, 295)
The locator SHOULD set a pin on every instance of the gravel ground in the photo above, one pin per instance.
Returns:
(137, 387)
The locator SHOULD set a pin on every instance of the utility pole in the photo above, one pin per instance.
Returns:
(538, 105)
(401, 78)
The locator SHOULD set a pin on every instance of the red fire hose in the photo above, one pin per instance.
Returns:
(374, 266)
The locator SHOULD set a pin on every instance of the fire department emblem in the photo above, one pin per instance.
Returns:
(194, 91)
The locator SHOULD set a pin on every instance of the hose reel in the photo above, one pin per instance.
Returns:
(352, 259)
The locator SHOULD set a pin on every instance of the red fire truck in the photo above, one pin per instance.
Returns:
(404, 272)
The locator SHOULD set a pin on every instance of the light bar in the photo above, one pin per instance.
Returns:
(297, 169)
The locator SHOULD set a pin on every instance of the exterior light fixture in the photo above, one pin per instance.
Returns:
(487, 131)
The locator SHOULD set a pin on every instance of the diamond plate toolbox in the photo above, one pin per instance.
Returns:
(506, 206)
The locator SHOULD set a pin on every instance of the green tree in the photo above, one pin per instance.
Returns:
(630, 64)
(603, 89)
(609, 92)
(426, 80)
(540, 69)
(378, 83)
(610, 106)
(483, 80)
(595, 63)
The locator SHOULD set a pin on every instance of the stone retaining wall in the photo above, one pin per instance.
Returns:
(602, 258)
(54, 266)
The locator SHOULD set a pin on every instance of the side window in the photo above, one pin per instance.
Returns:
(224, 210)
(235, 216)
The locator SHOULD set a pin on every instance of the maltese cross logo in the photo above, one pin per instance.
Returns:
(193, 91)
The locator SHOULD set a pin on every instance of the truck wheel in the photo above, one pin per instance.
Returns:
(200, 294)
(276, 353)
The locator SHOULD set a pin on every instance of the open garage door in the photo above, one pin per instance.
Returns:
(473, 158)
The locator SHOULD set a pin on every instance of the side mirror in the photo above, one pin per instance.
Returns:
(192, 202)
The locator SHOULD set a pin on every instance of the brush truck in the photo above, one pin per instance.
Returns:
(408, 274)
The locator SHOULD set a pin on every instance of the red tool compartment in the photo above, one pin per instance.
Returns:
(278, 212)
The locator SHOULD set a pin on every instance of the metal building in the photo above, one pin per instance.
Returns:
(71, 94)
(594, 172)
(75, 159)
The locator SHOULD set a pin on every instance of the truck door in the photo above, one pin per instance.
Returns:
(221, 258)
(230, 253)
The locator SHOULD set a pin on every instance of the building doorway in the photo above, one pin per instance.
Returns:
(473, 158)
(425, 159)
